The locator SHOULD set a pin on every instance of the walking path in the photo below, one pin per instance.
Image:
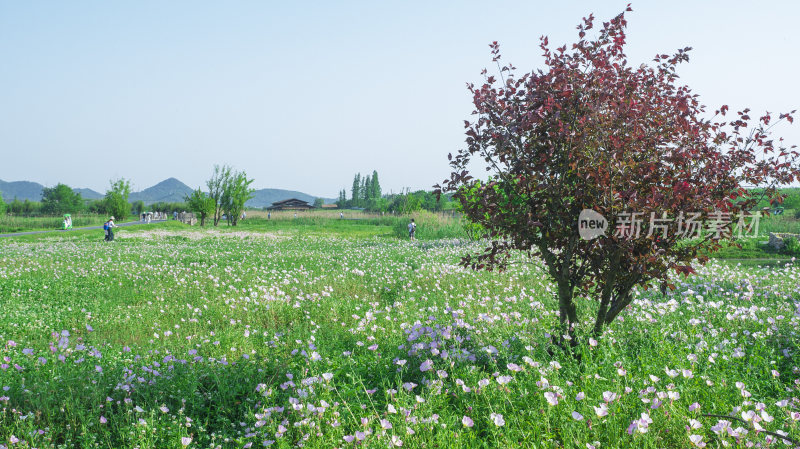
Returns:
(130, 223)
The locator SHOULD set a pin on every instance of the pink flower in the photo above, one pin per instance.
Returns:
(467, 421)
(577, 416)
(186, 441)
(426, 365)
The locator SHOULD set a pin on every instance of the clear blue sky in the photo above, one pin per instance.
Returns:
(303, 94)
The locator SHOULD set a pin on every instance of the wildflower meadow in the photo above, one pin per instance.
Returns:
(179, 337)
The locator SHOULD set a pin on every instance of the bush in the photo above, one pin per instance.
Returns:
(792, 247)
(430, 226)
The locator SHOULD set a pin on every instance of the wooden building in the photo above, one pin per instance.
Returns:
(291, 204)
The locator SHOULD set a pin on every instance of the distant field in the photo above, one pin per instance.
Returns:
(10, 223)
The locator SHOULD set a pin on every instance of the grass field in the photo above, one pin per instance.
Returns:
(324, 333)
(10, 223)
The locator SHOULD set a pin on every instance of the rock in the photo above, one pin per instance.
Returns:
(777, 240)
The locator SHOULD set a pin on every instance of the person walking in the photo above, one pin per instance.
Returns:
(412, 229)
(341, 215)
(105, 231)
(111, 227)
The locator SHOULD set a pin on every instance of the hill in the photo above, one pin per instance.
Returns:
(169, 191)
(32, 191)
(88, 194)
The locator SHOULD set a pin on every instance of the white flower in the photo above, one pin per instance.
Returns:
(697, 440)
(577, 416)
(551, 398)
(497, 419)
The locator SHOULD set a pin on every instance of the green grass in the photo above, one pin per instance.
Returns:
(309, 333)
(10, 223)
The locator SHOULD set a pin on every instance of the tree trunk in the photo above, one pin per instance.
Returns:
(606, 294)
(568, 314)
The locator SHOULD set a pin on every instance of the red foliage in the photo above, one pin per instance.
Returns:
(593, 132)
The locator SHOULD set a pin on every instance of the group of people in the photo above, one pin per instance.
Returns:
(148, 216)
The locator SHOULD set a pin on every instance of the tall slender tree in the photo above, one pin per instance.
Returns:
(376, 186)
(366, 191)
(356, 191)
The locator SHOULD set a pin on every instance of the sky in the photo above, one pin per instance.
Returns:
(302, 95)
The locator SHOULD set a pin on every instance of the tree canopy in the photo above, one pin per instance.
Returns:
(116, 199)
(61, 199)
(591, 132)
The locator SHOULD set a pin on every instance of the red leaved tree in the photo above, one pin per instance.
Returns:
(592, 132)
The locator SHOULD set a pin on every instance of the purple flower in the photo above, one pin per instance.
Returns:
(426, 365)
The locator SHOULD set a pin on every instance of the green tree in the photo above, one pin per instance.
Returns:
(236, 192)
(364, 191)
(116, 199)
(216, 189)
(318, 202)
(342, 201)
(2, 205)
(61, 199)
(31, 207)
(356, 191)
(792, 201)
(375, 186)
(202, 204)
(15, 207)
(138, 207)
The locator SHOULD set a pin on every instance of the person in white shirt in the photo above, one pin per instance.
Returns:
(412, 229)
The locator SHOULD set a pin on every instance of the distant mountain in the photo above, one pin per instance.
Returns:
(32, 191)
(169, 191)
(88, 194)
(22, 190)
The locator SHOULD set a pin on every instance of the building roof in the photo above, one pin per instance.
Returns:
(290, 204)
